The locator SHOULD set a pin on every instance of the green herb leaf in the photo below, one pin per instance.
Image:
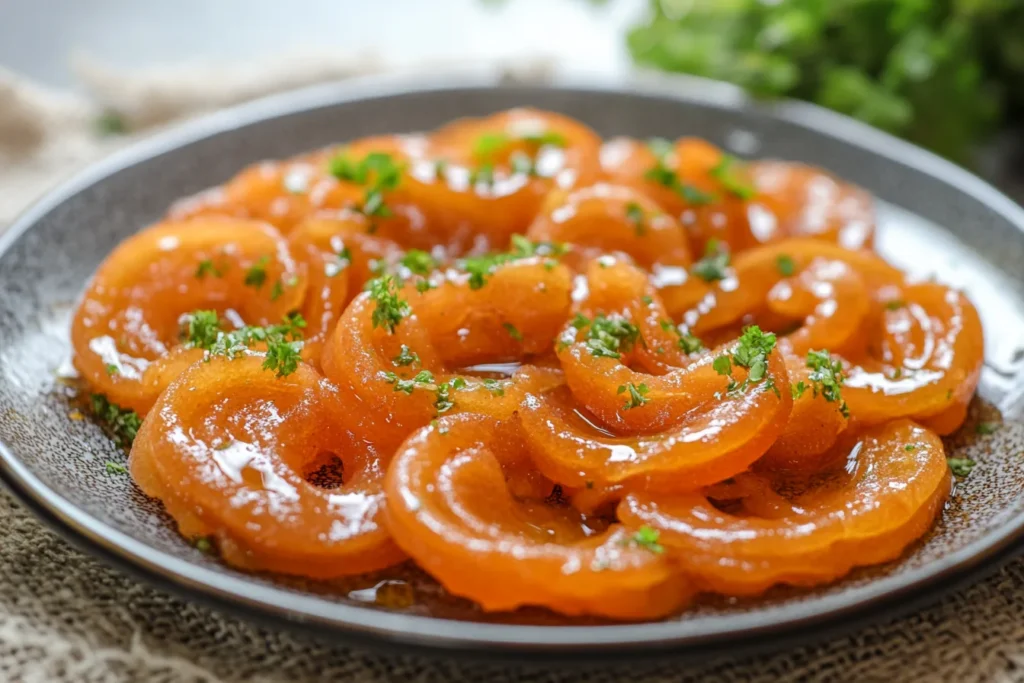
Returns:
(637, 395)
(115, 468)
(390, 308)
(608, 337)
(827, 378)
(646, 537)
(513, 332)
(256, 274)
(123, 424)
(635, 215)
(207, 267)
(715, 264)
(727, 173)
(785, 264)
(961, 467)
(986, 428)
(405, 357)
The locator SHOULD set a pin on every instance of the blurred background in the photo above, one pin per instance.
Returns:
(946, 74)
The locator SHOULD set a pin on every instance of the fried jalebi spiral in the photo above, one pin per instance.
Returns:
(127, 331)
(591, 377)
(230, 448)
(887, 500)
(452, 511)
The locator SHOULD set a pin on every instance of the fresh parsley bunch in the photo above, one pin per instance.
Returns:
(941, 73)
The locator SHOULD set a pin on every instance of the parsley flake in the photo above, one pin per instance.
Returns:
(961, 467)
(494, 386)
(637, 395)
(785, 264)
(256, 274)
(115, 468)
(123, 424)
(827, 378)
(512, 331)
(607, 337)
(986, 428)
(207, 267)
(390, 308)
(418, 262)
(715, 264)
(726, 173)
(405, 357)
(635, 215)
(751, 352)
(647, 538)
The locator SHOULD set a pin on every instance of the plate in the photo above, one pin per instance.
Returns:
(935, 219)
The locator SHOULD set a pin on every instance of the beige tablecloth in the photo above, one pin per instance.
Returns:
(66, 618)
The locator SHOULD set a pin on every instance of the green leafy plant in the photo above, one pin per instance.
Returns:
(941, 73)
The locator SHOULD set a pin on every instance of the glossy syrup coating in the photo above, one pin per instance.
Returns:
(890, 492)
(229, 448)
(127, 330)
(590, 377)
(450, 509)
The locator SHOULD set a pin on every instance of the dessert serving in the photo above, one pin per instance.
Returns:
(599, 377)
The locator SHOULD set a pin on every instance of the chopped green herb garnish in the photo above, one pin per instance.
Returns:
(256, 275)
(203, 329)
(423, 377)
(647, 538)
(547, 137)
(895, 304)
(910, 447)
(715, 264)
(606, 337)
(116, 468)
(377, 170)
(637, 395)
(444, 401)
(204, 545)
(482, 175)
(276, 291)
(123, 424)
(494, 386)
(405, 357)
(579, 321)
(725, 173)
(635, 215)
(986, 428)
(785, 264)
(207, 267)
(752, 353)
(687, 342)
(512, 331)
(111, 369)
(480, 268)
(661, 174)
(489, 144)
(283, 341)
(798, 389)
(418, 262)
(961, 467)
(827, 378)
(390, 308)
(648, 300)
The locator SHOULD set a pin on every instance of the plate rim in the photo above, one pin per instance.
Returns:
(286, 606)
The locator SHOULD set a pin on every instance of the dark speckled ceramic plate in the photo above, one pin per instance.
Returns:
(935, 219)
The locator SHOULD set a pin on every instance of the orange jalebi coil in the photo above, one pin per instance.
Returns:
(593, 377)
